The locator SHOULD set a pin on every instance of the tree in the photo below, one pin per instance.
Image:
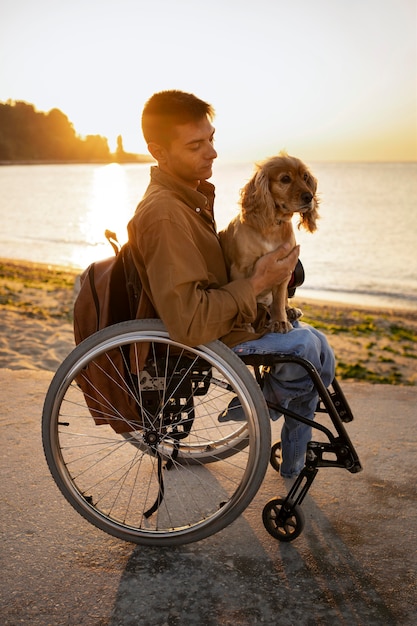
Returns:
(30, 135)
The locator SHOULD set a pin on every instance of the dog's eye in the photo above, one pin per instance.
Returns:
(286, 179)
(306, 177)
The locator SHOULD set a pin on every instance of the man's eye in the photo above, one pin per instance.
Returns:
(286, 179)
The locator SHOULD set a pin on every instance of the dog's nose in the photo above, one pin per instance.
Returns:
(306, 197)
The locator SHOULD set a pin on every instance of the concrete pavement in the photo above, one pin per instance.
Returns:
(355, 562)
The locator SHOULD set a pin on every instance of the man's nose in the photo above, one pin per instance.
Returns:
(212, 152)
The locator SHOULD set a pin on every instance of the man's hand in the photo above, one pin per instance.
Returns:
(273, 268)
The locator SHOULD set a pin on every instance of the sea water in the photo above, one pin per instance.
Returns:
(364, 251)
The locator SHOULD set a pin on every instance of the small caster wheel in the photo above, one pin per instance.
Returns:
(284, 523)
(275, 456)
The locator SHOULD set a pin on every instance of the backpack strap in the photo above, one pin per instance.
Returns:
(94, 293)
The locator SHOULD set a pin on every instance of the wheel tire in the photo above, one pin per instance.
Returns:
(117, 481)
(274, 459)
(282, 524)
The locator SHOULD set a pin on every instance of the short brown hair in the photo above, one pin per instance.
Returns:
(167, 109)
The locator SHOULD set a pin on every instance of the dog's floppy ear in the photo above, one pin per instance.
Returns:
(257, 201)
(309, 219)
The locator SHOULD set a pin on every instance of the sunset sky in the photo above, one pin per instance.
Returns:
(325, 79)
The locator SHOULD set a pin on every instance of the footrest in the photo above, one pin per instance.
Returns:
(340, 403)
(335, 454)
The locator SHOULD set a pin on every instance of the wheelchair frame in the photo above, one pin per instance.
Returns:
(283, 518)
(176, 474)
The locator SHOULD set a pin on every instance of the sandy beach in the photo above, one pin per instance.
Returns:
(373, 345)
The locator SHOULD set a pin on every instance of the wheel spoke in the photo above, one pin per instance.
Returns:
(175, 473)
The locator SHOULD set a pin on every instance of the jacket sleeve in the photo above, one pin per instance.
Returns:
(187, 296)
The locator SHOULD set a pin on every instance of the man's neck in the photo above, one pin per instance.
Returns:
(193, 184)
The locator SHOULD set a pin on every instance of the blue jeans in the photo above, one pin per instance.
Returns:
(289, 385)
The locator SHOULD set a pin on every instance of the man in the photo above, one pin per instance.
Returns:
(180, 262)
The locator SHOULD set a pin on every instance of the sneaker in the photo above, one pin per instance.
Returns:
(234, 412)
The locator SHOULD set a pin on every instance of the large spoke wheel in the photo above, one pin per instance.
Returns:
(135, 444)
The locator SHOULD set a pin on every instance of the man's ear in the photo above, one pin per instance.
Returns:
(157, 151)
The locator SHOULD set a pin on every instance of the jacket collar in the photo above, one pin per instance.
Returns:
(202, 198)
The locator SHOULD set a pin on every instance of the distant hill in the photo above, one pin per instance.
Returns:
(31, 136)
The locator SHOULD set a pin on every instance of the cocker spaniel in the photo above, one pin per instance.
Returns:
(280, 187)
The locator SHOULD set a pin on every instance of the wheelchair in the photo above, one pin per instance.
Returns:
(145, 455)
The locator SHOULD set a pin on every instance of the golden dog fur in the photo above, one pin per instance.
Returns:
(280, 187)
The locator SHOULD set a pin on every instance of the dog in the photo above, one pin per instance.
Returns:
(281, 186)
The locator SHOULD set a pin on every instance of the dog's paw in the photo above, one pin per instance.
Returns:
(280, 326)
(294, 314)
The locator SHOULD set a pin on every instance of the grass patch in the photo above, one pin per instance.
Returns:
(357, 371)
(384, 359)
(400, 333)
(389, 349)
(352, 322)
(38, 276)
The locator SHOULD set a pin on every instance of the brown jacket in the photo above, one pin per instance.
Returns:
(177, 252)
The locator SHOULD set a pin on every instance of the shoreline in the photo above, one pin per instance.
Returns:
(332, 298)
(371, 344)
(33, 268)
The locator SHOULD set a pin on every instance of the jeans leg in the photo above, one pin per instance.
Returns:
(289, 385)
(295, 436)
(300, 397)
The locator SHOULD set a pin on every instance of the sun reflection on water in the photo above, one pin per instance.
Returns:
(108, 209)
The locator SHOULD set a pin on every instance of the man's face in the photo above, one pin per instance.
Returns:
(191, 153)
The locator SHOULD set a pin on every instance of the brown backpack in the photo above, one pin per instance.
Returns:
(110, 292)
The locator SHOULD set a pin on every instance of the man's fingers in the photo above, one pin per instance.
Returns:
(294, 252)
